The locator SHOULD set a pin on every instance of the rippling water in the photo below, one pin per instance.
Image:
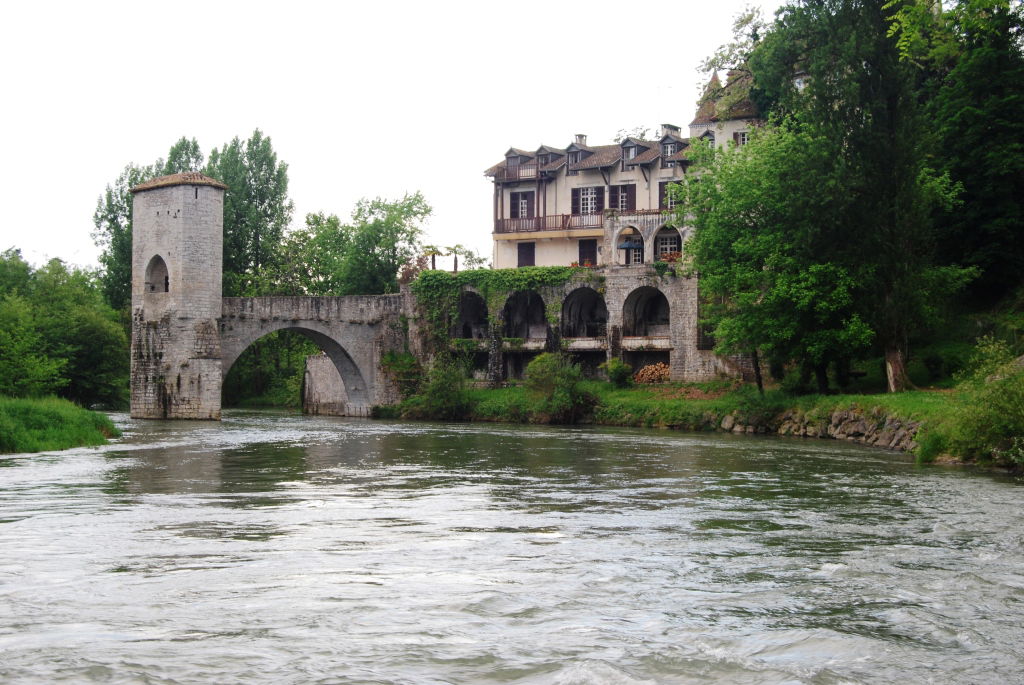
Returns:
(286, 549)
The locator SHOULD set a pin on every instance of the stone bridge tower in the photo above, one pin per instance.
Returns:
(177, 250)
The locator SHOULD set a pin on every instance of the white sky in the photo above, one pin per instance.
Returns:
(361, 100)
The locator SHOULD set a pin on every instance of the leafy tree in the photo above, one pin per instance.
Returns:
(772, 269)
(558, 385)
(184, 155)
(257, 211)
(384, 235)
(859, 96)
(25, 370)
(113, 232)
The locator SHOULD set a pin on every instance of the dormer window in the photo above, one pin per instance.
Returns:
(542, 160)
(667, 150)
(513, 160)
(629, 152)
(574, 158)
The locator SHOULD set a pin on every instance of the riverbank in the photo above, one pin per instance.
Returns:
(918, 421)
(50, 423)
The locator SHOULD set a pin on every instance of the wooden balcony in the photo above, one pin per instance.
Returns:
(553, 222)
(520, 172)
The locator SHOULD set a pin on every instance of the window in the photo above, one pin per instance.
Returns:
(622, 198)
(521, 205)
(574, 157)
(666, 200)
(588, 200)
(588, 252)
(542, 160)
(629, 152)
(526, 254)
(710, 138)
(667, 150)
(513, 160)
(667, 241)
(739, 138)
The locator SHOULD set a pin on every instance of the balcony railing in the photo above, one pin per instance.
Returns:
(552, 222)
(519, 172)
(641, 218)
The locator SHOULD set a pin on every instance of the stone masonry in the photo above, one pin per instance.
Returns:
(186, 335)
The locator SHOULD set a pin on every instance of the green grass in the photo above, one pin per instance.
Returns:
(50, 423)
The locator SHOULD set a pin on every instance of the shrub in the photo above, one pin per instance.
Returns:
(989, 419)
(405, 370)
(558, 385)
(620, 374)
(443, 395)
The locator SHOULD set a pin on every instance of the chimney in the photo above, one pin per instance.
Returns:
(581, 138)
(669, 130)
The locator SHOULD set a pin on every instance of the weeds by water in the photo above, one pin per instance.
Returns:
(50, 423)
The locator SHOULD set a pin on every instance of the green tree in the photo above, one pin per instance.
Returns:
(772, 271)
(25, 370)
(859, 96)
(185, 155)
(113, 232)
(257, 212)
(384, 235)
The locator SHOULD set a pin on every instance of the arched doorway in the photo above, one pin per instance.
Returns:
(629, 247)
(524, 316)
(157, 277)
(472, 317)
(645, 313)
(584, 314)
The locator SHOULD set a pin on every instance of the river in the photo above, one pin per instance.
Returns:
(274, 548)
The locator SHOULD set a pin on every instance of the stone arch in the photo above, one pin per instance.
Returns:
(645, 313)
(629, 246)
(584, 314)
(158, 278)
(471, 321)
(668, 239)
(524, 315)
(354, 381)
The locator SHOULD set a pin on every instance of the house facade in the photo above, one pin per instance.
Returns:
(606, 205)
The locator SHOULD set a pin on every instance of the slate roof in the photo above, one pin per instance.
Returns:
(187, 178)
(600, 157)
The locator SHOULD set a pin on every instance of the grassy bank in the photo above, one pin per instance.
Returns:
(50, 423)
(933, 419)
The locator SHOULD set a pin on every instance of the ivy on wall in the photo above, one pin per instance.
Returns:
(437, 292)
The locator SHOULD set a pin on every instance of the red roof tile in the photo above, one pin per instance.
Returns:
(187, 178)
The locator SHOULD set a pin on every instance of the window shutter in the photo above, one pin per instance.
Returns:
(736, 138)
(526, 254)
(631, 197)
(613, 197)
(600, 199)
(661, 194)
(575, 200)
(530, 204)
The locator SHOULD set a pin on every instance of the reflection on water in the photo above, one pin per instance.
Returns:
(273, 547)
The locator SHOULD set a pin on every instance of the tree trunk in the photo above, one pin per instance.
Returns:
(757, 371)
(821, 375)
(896, 369)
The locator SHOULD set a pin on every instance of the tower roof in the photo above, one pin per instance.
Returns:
(187, 178)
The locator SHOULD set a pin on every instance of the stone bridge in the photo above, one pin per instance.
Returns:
(186, 336)
(352, 331)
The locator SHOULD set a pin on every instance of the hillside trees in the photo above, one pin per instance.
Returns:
(57, 335)
(859, 214)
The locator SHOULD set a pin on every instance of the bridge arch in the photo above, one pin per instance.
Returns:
(354, 379)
